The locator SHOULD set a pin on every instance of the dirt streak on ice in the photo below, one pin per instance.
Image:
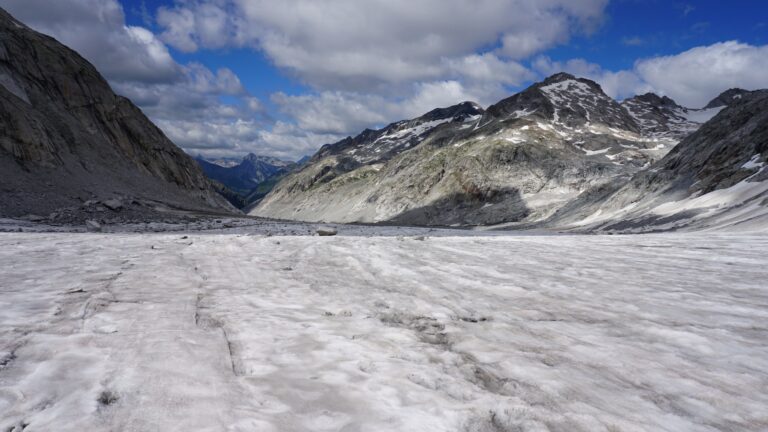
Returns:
(236, 332)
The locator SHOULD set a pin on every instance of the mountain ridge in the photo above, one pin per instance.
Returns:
(515, 162)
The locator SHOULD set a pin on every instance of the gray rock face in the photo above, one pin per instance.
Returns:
(660, 116)
(65, 137)
(716, 176)
(326, 231)
(373, 146)
(113, 204)
(726, 98)
(516, 162)
(565, 99)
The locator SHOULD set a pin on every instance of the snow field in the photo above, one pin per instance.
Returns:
(137, 332)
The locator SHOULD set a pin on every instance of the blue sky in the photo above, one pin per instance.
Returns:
(632, 29)
(227, 77)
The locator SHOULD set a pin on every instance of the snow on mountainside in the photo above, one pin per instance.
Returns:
(518, 161)
(715, 177)
(660, 116)
(567, 101)
(373, 146)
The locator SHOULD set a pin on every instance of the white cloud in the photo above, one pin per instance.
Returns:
(335, 112)
(696, 76)
(346, 113)
(360, 45)
(488, 68)
(97, 30)
(368, 63)
(183, 100)
(692, 78)
(619, 85)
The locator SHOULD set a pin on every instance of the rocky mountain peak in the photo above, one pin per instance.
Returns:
(456, 112)
(569, 101)
(254, 159)
(726, 98)
(558, 77)
(656, 100)
(660, 116)
(373, 146)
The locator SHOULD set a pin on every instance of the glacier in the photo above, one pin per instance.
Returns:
(383, 328)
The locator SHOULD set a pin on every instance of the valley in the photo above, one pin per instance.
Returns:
(585, 250)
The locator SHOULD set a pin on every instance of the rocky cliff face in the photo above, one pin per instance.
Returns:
(715, 177)
(726, 98)
(518, 161)
(374, 146)
(660, 116)
(65, 137)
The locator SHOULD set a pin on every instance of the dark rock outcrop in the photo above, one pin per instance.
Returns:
(660, 116)
(716, 176)
(726, 98)
(65, 137)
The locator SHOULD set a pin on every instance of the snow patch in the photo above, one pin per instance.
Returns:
(702, 115)
(596, 152)
(754, 162)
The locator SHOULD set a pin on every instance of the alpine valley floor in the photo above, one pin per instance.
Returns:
(469, 332)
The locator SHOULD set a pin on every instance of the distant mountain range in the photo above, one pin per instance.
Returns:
(248, 179)
(537, 158)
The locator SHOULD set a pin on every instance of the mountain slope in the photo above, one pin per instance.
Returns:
(715, 177)
(518, 161)
(65, 137)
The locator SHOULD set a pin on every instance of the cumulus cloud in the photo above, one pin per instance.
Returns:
(183, 100)
(695, 76)
(97, 30)
(346, 113)
(367, 63)
(692, 78)
(354, 45)
(616, 84)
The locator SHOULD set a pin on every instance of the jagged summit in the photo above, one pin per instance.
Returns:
(460, 111)
(559, 77)
(660, 116)
(565, 99)
(716, 176)
(253, 158)
(726, 98)
(372, 146)
(656, 100)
